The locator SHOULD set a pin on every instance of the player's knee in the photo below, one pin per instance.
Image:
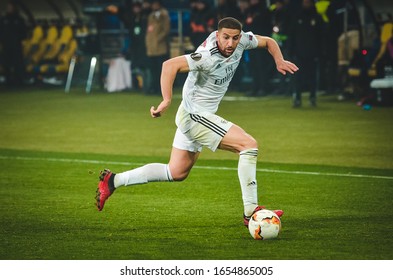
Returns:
(253, 143)
(250, 143)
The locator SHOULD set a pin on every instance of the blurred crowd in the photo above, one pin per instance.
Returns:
(307, 31)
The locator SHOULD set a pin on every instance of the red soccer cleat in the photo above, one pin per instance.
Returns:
(105, 188)
(246, 219)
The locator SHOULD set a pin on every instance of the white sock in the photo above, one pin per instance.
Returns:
(247, 170)
(153, 172)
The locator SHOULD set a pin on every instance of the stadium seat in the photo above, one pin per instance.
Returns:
(61, 63)
(54, 54)
(45, 46)
(59, 44)
(58, 58)
(31, 44)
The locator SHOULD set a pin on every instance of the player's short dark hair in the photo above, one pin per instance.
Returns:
(231, 23)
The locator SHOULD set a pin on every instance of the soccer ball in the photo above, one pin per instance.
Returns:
(264, 224)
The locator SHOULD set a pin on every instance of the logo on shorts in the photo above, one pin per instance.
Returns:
(251, 184)
(196, 56)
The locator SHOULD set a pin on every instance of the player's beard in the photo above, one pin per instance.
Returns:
(225, 52)
(229, 51)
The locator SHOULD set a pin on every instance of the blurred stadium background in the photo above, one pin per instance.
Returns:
(81, 32)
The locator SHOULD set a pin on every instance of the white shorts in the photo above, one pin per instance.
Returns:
(195, 131)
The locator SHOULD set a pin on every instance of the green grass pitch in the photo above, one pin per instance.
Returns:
(329, 168)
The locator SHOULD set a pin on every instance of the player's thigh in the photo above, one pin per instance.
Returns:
(181, 163)
(237, 140)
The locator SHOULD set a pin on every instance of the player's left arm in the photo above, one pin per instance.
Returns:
(283, 66)
(170, 68)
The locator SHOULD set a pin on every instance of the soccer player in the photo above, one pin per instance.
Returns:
(210, 69)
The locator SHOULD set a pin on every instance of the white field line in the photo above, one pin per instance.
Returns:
(107, 163)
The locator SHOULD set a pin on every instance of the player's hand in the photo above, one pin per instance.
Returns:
(285, 66)
(155, 113)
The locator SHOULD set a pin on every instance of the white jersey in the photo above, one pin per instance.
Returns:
(211, 72)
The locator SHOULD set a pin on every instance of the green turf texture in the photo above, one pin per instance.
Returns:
(53, 144)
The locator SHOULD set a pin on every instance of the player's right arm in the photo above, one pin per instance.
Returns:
(170, 68)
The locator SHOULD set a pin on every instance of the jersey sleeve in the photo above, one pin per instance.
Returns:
(249, 40)
(199, 60)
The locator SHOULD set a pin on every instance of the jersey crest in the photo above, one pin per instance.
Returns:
(196, 56)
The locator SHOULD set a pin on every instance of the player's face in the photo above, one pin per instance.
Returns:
(228, 39)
